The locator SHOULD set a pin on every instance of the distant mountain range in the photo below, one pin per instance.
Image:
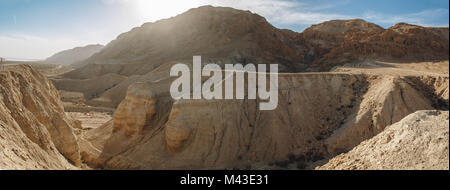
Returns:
(74, 55)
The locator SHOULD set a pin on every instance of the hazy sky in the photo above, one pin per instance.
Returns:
(36, 29)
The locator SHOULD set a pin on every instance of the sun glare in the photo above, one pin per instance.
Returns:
(153, 10)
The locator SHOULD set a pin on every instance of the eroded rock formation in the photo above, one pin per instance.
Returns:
(318, 115)
(337, 42)
(35, 133)
(417, 142)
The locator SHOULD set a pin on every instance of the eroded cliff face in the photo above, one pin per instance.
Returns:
(35, 133)
(318, 115)
(417, 142)
(338, 42)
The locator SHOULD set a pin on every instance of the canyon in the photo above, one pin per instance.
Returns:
(351, 95)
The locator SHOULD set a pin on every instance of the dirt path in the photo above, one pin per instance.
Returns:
(398, 69)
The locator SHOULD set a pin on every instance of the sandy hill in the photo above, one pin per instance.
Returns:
(74, 55)
(417, 142)
(35, 133)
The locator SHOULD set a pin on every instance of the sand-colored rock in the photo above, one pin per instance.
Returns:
(35, 132)
(387, 101)
(318, 115)
(73, 97)
(91, 120)
(417, 142)
(378, 78)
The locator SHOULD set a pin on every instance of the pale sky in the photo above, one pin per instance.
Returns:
(36, 29)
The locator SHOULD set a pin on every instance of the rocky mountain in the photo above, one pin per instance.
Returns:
(222, 35)
(335, 43)
(74, 55)
(373, 86)
(35, 132)
(226, 35)
(417, 142)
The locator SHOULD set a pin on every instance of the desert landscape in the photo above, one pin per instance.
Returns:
(352, 95)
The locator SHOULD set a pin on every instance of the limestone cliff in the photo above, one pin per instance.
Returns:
(35, 133)
(318, 115)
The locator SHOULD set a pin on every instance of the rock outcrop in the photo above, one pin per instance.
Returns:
(417, 142)
(318, 115)
(335, 43)
(35, 133)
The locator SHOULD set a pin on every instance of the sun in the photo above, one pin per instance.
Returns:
(153, 10)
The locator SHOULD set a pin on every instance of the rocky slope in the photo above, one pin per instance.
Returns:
(35, 133)
(417, 142)
(226, 35)
(74, 55)
(318, 115)
(222, 34)
(343, 41)
(91, 88)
